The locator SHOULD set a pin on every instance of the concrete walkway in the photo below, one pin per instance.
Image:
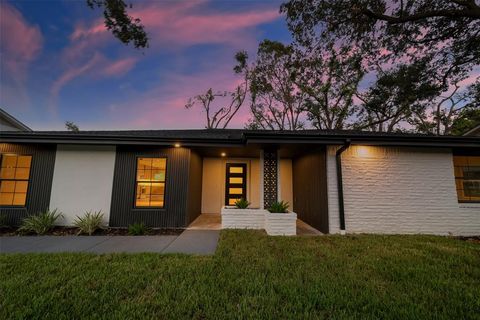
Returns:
(190, 242)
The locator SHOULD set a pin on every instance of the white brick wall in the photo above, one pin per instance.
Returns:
(399, 190)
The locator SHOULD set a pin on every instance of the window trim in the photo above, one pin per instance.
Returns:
(135, 182)
(27, 196)
(461, 179)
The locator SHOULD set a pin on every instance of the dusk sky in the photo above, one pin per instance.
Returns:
(58, 62)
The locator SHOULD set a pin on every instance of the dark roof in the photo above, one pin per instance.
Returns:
(13, 121)
(236, 137)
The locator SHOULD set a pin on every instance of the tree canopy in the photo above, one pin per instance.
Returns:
(373, 65)
(446, 31)
(123, 27)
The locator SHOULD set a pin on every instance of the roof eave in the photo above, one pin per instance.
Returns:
(247, 138)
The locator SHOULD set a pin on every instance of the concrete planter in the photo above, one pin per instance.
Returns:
(281, 224)
(233, 218)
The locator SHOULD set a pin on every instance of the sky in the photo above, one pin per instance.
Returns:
(58, 63)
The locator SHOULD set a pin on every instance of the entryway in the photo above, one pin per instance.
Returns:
(206, 221)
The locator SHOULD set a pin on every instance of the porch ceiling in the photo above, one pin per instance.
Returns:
(230, 152)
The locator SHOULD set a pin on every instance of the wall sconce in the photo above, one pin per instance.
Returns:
(177, 145)
(363, 151)
(223, 154)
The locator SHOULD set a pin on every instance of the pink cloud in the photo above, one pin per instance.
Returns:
(20, 41)
(170, 26)
(183, 24)
(119, 67)
(163, 106)
(67, 76)
(96, 65)
(20, 44)
(81, 31)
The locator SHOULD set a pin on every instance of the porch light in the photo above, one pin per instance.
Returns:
(223, 154)
(363, 151)
(177, 145)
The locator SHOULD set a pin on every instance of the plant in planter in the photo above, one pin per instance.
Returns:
(242, 204)
(242, 217)
(40, 223)
(90, 222)
(279, 221)
(279, 207)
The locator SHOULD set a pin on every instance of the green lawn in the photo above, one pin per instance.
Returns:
(253, 276)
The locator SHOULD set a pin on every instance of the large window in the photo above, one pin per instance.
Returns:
(150, 182)
(14, 175)
(467, 178)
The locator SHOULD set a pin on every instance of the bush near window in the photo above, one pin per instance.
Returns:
(40, 223)
(90, 222)
(138, 229)
(279, 207)
(4, 221)
(242, 204)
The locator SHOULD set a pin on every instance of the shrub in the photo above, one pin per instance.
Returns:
(138, 229)
(242, 204)
(279, 207)
(4, 221)
(90, 222)
(40, 223)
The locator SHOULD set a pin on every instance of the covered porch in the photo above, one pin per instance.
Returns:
(263, 175)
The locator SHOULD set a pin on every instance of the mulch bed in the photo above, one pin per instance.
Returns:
(67, 231)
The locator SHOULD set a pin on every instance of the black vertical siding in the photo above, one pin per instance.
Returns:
(40, 182)
(194, 201)
(173, 215)
(310, 189)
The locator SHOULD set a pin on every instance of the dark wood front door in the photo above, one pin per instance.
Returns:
(235, 183)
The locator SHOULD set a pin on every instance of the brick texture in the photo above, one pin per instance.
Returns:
(399, 191)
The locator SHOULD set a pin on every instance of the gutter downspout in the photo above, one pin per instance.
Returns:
(341, 207)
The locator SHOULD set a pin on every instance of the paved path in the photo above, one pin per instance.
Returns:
(190, 242)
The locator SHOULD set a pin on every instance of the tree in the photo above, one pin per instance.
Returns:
(71, 126)
(277, 103)
(396, 96)
(467, 119)
(124, 27)
(447, 31)
(330, 79)
(454, 112)
(220, 115)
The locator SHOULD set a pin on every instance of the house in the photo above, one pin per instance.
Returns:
(336, 181)
(9, 123)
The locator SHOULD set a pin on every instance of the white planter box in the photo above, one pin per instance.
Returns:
(281, 224)
(233, 218)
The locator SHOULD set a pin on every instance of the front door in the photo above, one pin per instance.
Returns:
(235, 183)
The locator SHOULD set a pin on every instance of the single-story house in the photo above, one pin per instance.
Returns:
(336, 181)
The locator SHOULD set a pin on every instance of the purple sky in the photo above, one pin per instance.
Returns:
(58, 63)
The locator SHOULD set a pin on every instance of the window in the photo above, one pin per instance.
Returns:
(467, 178)
(150, 182)
(14, 175)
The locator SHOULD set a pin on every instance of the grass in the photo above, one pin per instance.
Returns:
(253, 276)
